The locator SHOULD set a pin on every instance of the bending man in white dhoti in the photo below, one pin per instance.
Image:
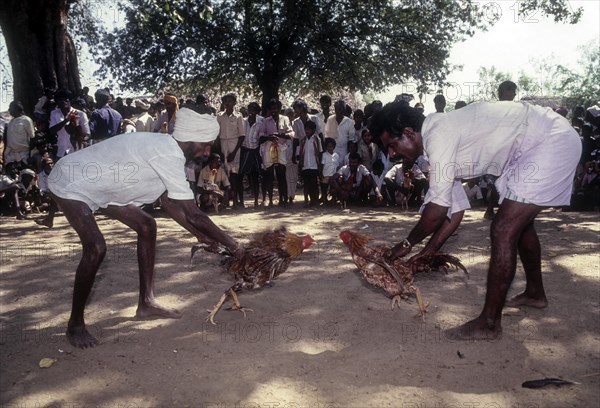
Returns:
(533, 150)
(117, 177)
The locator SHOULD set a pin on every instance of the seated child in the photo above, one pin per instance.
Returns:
(213, 185)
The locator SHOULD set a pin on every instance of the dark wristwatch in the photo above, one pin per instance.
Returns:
(406, 244)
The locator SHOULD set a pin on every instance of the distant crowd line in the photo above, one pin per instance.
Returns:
(329, 154)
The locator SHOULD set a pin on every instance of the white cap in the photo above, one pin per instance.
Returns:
(594, 110)
(195, 127)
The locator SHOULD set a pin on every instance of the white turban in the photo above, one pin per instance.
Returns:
(142, 105)
(195, 127)
(594, 110)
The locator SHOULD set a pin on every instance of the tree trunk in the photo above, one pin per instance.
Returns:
(41, 52)
(270, 90)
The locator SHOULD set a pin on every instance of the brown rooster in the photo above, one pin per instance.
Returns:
(258, 263)
(396, 278)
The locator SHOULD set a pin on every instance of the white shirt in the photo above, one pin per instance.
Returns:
(19, 132)
(135, 168)
(63, 143)
(378, 181)
(387, 163)
(322, 122)
(252, 132)
(342, 133)
(330, 163)
(144, 123)
(43, 181)
(164, 118)
(312, 147)
(478, 139)
(298, 126)
(275, 151)
(361, 172)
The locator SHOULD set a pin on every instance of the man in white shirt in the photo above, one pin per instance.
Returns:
(533, 150)
(250, 155)
(144, 122)
(231, 134)
(309, 161)
(325, 102)
(275, 133)
(117, 177)
(19, 133)
(70, 125)
(340, 128)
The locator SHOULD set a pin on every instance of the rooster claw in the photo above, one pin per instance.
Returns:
(241, 309)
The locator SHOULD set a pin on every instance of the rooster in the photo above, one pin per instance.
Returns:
(257, 264)
(396, 277)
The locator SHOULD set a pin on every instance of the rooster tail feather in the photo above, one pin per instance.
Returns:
(448, 261)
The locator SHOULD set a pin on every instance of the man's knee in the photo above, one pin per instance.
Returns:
(95, 249)
(147, 226)
(503, 228)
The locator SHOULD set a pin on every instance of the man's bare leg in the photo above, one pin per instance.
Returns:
(509, 223)
(531, 258)
(81, 218)
(145, 227)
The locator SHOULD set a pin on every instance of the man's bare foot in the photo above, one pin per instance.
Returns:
(47, 222)
(489, 215)
(476, 329)
(152, 310)
(525, 300)
(79, 337)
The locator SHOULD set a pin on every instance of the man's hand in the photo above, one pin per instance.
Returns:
(397, 251)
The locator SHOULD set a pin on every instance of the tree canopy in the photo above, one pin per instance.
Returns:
(551, 79)
(295, 45)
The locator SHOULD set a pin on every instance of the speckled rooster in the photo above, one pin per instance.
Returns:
(258, 263)
(396, 277)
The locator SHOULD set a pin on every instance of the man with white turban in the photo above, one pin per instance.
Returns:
(117, 177)
(144, 121)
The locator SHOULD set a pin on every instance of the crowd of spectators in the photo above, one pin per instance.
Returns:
(329, 155)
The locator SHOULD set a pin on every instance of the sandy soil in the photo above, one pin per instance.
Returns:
(320, 338)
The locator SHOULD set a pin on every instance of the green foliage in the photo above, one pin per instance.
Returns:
(561, 10)
(550, 79)
(487, 86)
(583, 87)
(85, 22)
(296, 46)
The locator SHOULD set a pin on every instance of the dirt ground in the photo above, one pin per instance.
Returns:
(319, 338)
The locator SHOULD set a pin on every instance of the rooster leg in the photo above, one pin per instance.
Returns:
(237, 305)
(396, 301)
(215, 310)
(422, 305)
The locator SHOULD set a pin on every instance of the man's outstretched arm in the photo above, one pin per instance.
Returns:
(431, 220)
(187, 214)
